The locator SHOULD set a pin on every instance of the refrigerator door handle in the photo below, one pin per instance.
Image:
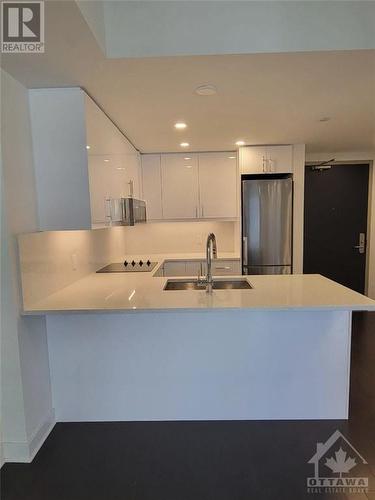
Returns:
(244, 250)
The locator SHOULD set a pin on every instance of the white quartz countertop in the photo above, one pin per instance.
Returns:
(116, 292)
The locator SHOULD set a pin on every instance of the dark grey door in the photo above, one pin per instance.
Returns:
(336, 202)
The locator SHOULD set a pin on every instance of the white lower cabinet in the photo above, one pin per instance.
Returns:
(220, 267)
(195, 267)
(174, 268)
(226, 267)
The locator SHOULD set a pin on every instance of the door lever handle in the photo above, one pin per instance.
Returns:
(361, 247)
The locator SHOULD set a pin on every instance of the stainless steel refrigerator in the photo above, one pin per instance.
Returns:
(267, 206)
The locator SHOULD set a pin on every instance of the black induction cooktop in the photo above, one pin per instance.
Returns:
(132, 266)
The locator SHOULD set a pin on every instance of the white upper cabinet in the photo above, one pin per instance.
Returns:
(190, 186)
(180, 186)
(113, 163)
(266, 159)
(218, 185)
(81, 159)
(252, 159)
(108, 179)
(280, 159)
(151, 181)
(132, 166)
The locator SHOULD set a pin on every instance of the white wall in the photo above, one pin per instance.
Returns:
(148, 28)
(179, 237)
(60, 158)
(26, 395)
(51, 260)
(364, 156)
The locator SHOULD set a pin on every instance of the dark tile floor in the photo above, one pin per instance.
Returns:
(199, 460)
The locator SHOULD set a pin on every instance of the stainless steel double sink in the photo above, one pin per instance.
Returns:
(218, 284)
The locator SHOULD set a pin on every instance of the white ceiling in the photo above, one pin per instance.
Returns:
(185, 27)
(262, 98)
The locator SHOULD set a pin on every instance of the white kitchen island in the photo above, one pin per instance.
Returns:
(122, 348)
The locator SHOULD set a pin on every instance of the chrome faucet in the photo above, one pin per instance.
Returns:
(211, 253)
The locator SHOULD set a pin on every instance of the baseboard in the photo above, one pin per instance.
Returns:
(41, 435)
(25, 452)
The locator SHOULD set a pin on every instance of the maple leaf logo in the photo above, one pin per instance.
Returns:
(341, 464)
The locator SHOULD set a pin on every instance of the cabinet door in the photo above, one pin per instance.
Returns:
(132, 163)
(113, 162)
(98, 189)
(174, 268)
(180, 186)
(218, 185)
(195, 267)
(226, 267)
(117, 176)
(220, 267)
(108, 179)
(151, 179)
(280, 159)
(253, 159)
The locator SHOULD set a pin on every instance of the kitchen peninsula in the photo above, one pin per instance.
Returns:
(123, 348)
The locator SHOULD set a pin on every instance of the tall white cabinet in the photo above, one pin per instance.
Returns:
(190, 187)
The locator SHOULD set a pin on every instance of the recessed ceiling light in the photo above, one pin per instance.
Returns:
(180, 125)
(184, 144)
(232, 157)
(188, 166)
(325, 119)
(240, 143)
(187, 158)
(106, 160)
(87, 147)
(120, 168)
(206, 90)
